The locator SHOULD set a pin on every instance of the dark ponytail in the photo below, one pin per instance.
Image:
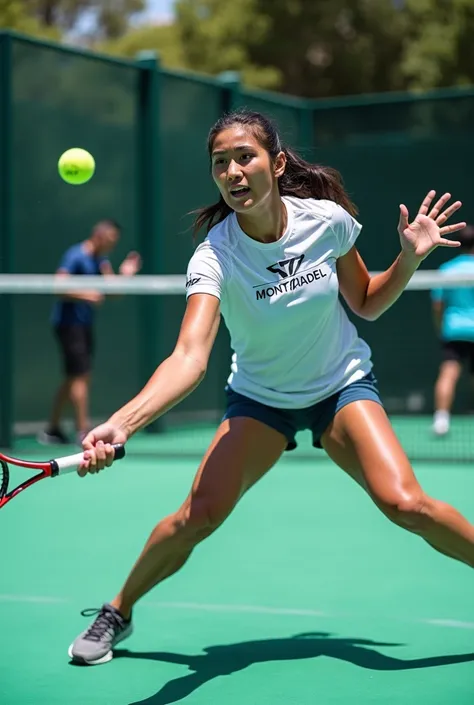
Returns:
(304, 180)
(301, 178)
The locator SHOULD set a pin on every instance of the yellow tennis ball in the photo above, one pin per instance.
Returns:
(76, 166)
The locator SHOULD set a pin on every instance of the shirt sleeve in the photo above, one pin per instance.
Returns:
(346, 229)
(69, 262)
(205, 273)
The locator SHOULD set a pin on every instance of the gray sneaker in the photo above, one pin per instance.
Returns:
(95, 645)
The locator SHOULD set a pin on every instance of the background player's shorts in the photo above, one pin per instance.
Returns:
(316, 418)
(77, 347)
(459, 350)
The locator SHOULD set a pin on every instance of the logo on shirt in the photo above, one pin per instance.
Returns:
(287, 267)
(290, 277)
(192, 280)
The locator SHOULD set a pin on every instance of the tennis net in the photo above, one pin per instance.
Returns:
(139, 325)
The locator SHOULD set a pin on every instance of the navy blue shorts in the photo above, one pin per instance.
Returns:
(316, 418)
(77, 346)
(459, 350)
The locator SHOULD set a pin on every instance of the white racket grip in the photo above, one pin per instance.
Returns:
(70, 463)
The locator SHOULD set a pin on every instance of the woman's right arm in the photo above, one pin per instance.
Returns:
(173, 380)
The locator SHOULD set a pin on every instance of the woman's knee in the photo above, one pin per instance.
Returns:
(411, 510)
(197, 519)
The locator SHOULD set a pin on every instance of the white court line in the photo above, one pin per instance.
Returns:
(249, 609)
(453, 623)
(255, 609)
(197, 606)
(39, 599)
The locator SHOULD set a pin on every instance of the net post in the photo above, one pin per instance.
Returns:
(231, 96)
(150, 211)
(6, 239)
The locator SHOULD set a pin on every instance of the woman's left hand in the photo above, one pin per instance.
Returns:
(427, 231)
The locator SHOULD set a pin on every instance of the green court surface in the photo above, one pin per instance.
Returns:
(307, 595)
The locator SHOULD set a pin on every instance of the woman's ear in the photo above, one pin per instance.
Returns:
(279, 164)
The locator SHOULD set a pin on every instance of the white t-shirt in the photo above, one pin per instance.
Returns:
(292, 340)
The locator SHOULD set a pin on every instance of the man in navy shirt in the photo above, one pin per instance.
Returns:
(73, 319)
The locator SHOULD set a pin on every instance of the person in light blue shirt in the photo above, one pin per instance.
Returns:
(453, 311)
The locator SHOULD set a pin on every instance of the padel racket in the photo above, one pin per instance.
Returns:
(47, 468)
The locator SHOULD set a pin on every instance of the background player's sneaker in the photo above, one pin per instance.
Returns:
(53, 437)
(441, 423)
(95, 645)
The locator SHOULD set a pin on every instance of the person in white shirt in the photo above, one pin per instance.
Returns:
(280, 249)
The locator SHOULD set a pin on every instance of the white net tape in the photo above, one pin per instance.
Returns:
(175, 283)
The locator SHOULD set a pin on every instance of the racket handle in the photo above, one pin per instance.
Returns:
(70, 463)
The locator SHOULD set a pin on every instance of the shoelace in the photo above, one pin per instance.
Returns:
(106, 623)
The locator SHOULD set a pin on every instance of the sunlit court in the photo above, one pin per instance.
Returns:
(305, 593)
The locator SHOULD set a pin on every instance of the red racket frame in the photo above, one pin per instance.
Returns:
(47, 468)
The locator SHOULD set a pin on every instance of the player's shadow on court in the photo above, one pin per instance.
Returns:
(224, 660)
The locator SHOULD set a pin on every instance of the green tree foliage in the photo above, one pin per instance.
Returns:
(14, 14)
(107, 18)
(317, 48)
(312, 48)
(219, 36)
(439, 50)
(163, 39)
(113, 16)
(332, 47)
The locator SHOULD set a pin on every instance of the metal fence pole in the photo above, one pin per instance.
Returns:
(150, 212)
(231, 98)
(6, 240)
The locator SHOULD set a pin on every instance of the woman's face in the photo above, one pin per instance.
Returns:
(242, 169)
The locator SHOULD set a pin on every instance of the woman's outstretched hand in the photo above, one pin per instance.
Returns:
(427, 231)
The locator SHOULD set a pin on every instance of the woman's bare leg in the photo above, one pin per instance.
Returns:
(242, 451)
(445, 389)
(362, 442)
